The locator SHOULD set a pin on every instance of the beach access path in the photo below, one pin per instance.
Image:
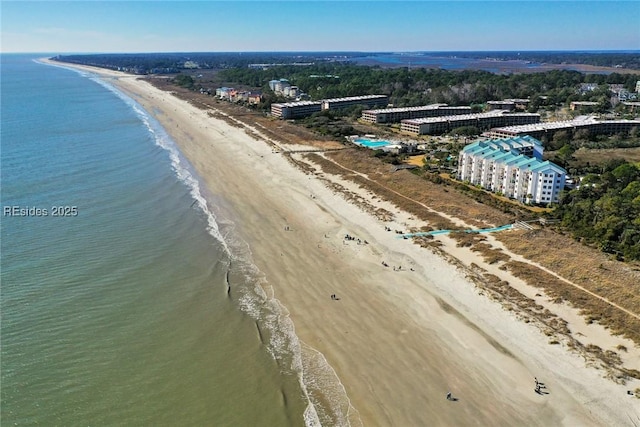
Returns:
(397, 340)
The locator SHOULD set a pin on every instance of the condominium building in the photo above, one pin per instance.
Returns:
(439, 125)
(226, 93)
(548, 129)
(294, 110)
(394, 115)
(281, 85)
(278, 85)
(512, 167)
(369, 100)
(291, 91)
(501, 105)
(509, 104)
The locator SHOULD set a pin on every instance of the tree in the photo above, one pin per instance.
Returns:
(582, 135)
(565, 154)
(465, 130)
(184, 81)
(605, 210)
(559, 139)
(626, 174)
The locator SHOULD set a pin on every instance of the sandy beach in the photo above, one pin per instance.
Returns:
(398, 338)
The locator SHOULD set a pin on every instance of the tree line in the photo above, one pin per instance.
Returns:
(605, 210)
(421, 86)
(629, 60)
(160, 63)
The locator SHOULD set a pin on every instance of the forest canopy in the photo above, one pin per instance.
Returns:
(421, 86)
(605, 210)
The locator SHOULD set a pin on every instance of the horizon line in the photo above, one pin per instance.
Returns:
(333, 51)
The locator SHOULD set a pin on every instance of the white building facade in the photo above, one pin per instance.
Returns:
(512, 167)
(439, 125)
(295, 110)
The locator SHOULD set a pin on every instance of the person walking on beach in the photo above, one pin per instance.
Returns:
(449, 396)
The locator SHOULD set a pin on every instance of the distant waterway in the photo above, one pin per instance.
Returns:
(445, 62)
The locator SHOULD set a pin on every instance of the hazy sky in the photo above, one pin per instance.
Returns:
(170, 26)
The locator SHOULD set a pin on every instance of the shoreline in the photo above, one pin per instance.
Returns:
(397, 340)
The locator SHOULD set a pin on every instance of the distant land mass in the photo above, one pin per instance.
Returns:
(601, 62)
(509, 62)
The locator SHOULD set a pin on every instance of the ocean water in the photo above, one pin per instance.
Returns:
(121, 301)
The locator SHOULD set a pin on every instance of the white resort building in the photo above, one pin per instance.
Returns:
(512, 167)
(368, 100)
(394, 115)
(548, 129)
(439, 125)
(296, 110)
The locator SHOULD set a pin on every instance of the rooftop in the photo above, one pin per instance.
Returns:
(494, 113)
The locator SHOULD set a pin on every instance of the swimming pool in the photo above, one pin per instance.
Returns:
(371, 144)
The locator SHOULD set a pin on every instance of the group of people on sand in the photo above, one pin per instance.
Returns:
(539, 386)
(352, 238)
(398, 268)
(396, 231)
(451, 398)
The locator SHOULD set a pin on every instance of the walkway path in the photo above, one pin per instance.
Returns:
(438, 232)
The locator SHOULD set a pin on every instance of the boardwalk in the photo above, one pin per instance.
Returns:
(438, 232)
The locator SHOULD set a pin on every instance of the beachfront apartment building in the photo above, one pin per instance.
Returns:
(548, 129)
(254, 97)
(395, 115)
(233, 95)
(227, 93)
(440, 125)
(512, 167)
(295, 110)
(369, 101)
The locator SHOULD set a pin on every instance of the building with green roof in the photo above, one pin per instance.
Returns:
(512, 167)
